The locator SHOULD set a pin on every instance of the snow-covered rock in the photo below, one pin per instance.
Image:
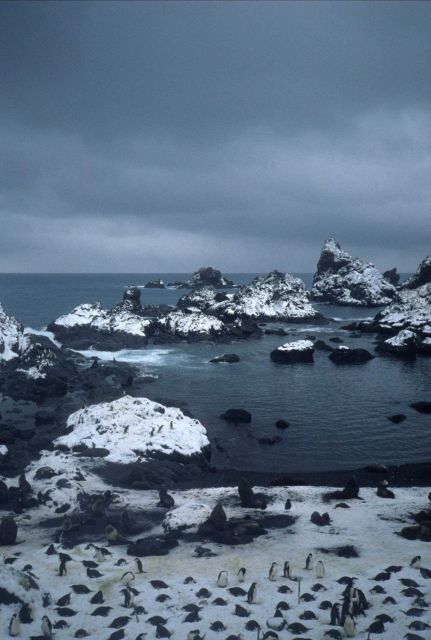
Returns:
(155, 284)
(186, 516)
(125, 325)
(422, 275)
(404, 344)
(276, 296)
(12, 337)
(412, 311)
(291, 352)
(134, 429)
(191, 325)
(342, 279)
(16, 586)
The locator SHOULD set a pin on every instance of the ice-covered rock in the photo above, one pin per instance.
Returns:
(404, 344)
(342, 279)
(15, 586)
(125, 325)
(186, 516)
(291, 352)
(204, 277)
(276, 296)
(12, 338)
(191, 325)
(134, 429)
(422, 275)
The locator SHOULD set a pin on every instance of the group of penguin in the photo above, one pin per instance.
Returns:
(343, 615)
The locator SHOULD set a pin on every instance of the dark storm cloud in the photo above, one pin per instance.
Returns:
(162, 136)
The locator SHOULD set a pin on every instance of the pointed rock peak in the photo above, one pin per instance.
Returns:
(422, 275)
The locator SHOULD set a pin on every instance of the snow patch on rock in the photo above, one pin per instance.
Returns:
(135, 428)
(12, 338)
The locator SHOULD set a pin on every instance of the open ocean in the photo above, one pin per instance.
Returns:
(338, 415)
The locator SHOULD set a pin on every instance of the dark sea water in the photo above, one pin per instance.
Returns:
(337, 415)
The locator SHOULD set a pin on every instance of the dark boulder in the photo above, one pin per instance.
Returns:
(282, 424)
(269, 440)
(152, 546)
(215, 523)
(422, 407)
(226, 357)
(248, 498)
(236, 416)
(293, 352)
(397, 418)
(345, 355)
(322, 346)
(322, 520)
(8, 530)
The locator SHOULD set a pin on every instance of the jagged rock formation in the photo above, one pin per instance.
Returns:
(422, 275)
(341, 279)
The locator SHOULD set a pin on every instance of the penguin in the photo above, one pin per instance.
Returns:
(127, 577)
(241, 574)
(288, 505)
(335, 614)
(139, 567)
(252, 594)
(46, 599)
(222, 580)
(99, 555)
(26, 614)
(320, 569)
(349, 627)
(415, 562)
(46, 627)
(286, 569)
(128, 598)
(273, 572)
(309, 562)
(14, 626)
(62, 569)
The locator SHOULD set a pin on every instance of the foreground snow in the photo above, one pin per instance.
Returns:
(131, 428)
(12, 338)
(369, 525)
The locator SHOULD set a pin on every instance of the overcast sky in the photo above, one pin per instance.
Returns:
(165, 136)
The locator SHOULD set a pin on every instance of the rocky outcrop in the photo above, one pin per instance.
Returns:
(422, 275)
(346, 355)
(392, 276)
(204, 277)
(412, 313)
(135, 429)
(277, 296)
(229, 358)
(292, 352)
(189, 325)
(12, 338)
(342, 279)
(41, 371)
(90, 325)
(155, 284)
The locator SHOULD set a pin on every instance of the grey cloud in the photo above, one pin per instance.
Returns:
(161, 136)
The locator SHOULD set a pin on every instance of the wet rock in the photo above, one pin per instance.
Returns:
(152, 546)
(226, 357)
(397, 418)
(293, 352)
(346, 355)
(422, 406)
(8, 530)
(237, 416)
(282, 424)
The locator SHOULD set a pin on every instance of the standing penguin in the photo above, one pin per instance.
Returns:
(62, 569)
(46, 599)
(14, 626)
(349, 627)
(309, 562)
(241, 574)
(139, 567)
(128, 598)
(222, 579)
(335, 614)
(320, 569)
(286, 569)
(46, 627)
(273, 572)
(252, 594)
